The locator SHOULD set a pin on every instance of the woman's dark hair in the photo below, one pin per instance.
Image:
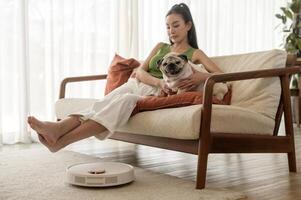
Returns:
(183, 10)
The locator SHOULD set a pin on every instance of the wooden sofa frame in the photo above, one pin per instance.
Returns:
(211, 142)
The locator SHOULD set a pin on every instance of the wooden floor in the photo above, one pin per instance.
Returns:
(259, 176)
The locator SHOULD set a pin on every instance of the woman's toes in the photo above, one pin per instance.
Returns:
(48, 130)
(35, 121)
(29, 120)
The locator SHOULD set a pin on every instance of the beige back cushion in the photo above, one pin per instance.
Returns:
(259, 95)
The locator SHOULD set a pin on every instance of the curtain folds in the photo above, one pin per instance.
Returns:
(42, 42)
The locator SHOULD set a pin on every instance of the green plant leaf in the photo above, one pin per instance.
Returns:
(290, 48)
(299, 43)
(278, 16)
(294, 82)
(287, 13)
(283, 19)
(291, 37)
(291, 26)
(287, 40)
(295, 6)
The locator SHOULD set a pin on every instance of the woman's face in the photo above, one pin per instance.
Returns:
(176, 27)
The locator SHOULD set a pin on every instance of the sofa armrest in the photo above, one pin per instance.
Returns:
(282, 73)
(237, 76)
(265, 73)
(78, 79)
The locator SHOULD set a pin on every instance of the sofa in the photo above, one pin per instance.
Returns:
(250, 124)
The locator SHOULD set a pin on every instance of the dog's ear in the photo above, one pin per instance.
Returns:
(159, 63)
(184, 57)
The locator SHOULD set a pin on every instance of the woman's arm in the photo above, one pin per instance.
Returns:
(199, 57)
(143, 76)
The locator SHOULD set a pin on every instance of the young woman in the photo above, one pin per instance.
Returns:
(115, 109)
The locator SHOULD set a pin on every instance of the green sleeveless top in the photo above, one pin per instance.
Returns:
(164, 49)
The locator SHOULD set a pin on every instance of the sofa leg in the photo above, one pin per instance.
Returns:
(292, 161)
(201, 170)
(288, 122)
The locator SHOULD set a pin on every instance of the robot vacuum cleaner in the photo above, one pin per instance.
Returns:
(100, 174)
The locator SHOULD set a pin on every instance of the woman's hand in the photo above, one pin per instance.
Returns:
(193, 81)
(165, 88)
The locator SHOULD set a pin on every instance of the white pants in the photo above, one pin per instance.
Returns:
(115, 109)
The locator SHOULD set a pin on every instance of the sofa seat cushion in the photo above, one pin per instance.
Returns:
(181, 122)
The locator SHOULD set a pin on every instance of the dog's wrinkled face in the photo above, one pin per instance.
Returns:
(172, 64)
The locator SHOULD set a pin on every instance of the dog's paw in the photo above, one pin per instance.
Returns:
(220, 96)
(163, 94)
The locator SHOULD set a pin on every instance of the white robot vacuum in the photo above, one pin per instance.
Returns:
(100, 174)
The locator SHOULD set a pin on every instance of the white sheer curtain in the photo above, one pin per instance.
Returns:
(223, 26)
(14, 71)
(41, 42)
(237, 26)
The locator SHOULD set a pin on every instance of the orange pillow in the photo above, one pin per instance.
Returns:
(119, 72)
(178, 100)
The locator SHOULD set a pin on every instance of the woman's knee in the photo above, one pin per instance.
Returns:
(129, 96)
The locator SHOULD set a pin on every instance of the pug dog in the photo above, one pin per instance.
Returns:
(175, 68)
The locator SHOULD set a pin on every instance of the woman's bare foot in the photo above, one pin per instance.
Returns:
(53, 148)
(50, 131)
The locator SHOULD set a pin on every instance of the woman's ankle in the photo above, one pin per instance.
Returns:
(76, 119)
(69, 124)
